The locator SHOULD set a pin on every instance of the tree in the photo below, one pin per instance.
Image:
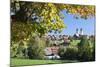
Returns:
(85, 52)
(36, 48)
(41, 18)
(68, 53)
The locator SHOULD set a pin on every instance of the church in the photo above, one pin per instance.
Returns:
(79, 33)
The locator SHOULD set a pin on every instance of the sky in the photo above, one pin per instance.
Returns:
(72, 24)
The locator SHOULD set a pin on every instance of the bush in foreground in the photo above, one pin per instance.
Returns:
(85, 52)
(69, 52)
(36, 48)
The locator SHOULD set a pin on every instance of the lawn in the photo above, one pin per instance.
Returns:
(28, 62)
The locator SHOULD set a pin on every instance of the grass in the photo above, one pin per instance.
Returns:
(28, 62)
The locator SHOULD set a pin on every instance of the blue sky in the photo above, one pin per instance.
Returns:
(88, 25)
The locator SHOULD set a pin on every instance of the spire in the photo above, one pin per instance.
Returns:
(77, 31)
(81, 31)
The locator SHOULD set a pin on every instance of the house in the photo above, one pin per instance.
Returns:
(52, 52)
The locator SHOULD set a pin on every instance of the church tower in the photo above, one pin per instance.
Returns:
(81, 31)
(77, 31)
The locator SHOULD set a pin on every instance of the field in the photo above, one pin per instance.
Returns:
(28, 62)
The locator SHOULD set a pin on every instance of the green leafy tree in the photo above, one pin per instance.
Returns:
(32, 18)
(69, 52)
(36, 48)
(84, 50)
(41, 18)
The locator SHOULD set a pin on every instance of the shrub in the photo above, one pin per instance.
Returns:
(13, 50)
(84, 50)
(18, 50)
(36, 48)
(33, 50)
(21, 50)
(49, 43)
(92, 40)
(69, 52)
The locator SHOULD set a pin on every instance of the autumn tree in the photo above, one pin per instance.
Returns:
(41, 18)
